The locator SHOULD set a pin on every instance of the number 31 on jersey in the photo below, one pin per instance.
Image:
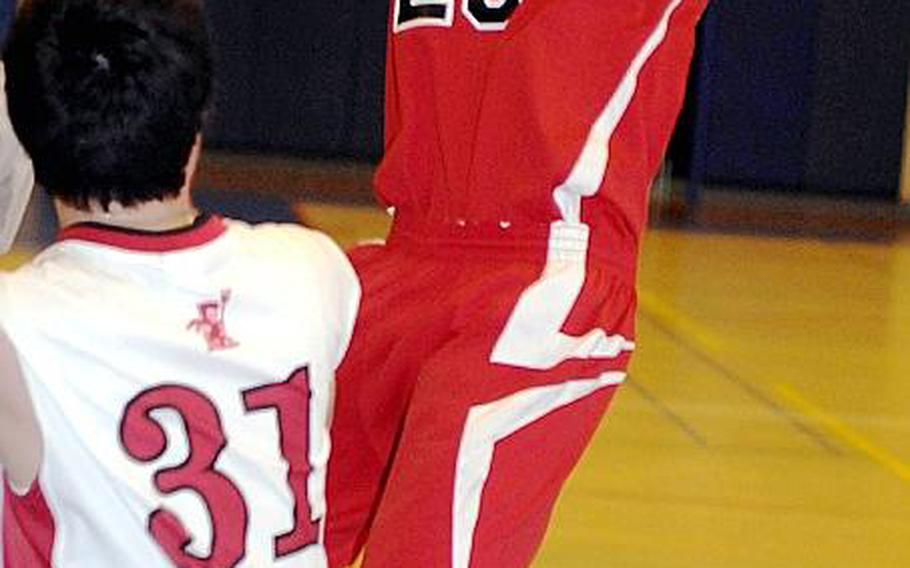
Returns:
(484, 15)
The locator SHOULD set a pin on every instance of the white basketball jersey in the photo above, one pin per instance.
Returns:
(183, 384)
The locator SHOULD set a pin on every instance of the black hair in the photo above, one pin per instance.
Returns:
(108, 96)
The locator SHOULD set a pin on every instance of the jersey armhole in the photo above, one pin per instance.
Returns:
(18, 491)
(21, 448)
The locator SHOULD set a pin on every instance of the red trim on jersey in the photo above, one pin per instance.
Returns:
(206, 228)
(28, 530)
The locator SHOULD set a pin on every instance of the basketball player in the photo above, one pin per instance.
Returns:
(16, 176)
(165, 376)
(498, 321)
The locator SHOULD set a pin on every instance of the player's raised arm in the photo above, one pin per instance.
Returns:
(20, 439)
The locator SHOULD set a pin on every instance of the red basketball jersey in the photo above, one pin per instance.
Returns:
(527, 112)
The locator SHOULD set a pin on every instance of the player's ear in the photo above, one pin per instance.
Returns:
(193, 161)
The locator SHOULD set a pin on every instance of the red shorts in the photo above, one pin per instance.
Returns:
(482, 363)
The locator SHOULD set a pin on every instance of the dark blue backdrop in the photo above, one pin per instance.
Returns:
(7, 8)
(299, 77)
(803, 95)
(755, 92)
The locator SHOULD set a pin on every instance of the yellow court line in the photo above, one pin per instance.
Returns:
(695, 333)
(843, 433)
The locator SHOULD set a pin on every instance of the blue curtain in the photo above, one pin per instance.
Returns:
(754, 93)
(802, 95)
(7, 9)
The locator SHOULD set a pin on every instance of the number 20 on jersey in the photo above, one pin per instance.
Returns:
(484, 15)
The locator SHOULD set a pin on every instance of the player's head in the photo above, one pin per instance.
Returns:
(209, 311)
(108, 96)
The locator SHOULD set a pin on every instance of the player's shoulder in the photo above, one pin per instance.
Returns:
(22, 298)
(305, 260)
(292, 246)
(17, 286)
(284, 238)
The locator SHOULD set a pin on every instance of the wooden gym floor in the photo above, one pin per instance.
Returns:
(767, 419)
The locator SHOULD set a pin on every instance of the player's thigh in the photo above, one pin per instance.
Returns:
(528, 469)
(478, 476)
(397, 330)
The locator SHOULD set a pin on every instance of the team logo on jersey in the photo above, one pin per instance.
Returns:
(210, 323)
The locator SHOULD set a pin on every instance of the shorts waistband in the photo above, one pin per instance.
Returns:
(532, 241)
